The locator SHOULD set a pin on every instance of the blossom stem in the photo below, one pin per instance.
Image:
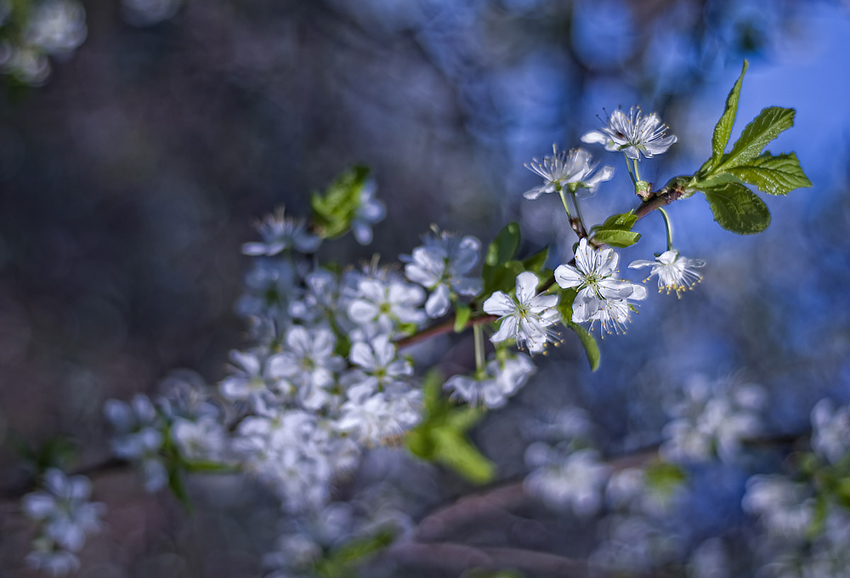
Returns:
(577, 223)
(637, 172)
(564, 202)
(478, 333)
(669, 227)
(629, 168)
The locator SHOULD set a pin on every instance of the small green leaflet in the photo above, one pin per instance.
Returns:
(775, 175)
(616, 231)
(762, 130)
(499, 253)
(737, 209)
(461, 317)
(334, 209)
(565, 309)
(340, 562)
(503, 248)
(664, 477)
(723, 129)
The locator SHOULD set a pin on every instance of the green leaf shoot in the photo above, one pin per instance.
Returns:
(334, 210)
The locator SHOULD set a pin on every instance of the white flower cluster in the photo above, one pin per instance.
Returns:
(565, 474)
(306, 538)
(639, 533)
(184, 417)
(65, 516)
(711, 419)
(503, 376)
(799, 541)
(442, 265)
(54, 28)
(806, 520)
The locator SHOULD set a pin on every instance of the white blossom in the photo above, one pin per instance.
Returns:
(675, 273)
(379, 369)
(830, 430)
(526, 317)
(567, 170)
(369, 211)
(632, 134)
(56, 26)
(375, 418)
(281, 233)
(64, 512)
(255, 378)
(785, 508)
(573, 482)
(386, 303)
(139, 437)
(442, 266)
(711, 419)
(309, 363)
(204, 439)
(501, 379)
(601, 295)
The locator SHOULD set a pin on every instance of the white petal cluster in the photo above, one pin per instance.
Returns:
(66, 516)
(675, 273)
(281, 233)
(382, 305)
(501, 379)
(831, 431)
(711, 419)
(785, 508)
(634, 135)
(442, 265)
(567, 170)
(139, 436)
(54, 27)
(527, 317)
(371, 210)
(601, 295)
(573, 482)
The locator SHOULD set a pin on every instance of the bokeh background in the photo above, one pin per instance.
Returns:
(130, 179)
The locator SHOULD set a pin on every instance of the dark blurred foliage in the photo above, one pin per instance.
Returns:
(130, 180)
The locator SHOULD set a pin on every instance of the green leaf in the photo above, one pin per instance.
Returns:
(501, 250)
(591, 349)
(503, 278)
(617, 238)
(664, 477)
(723, 128)
(454, 450)
(536, 262)
(775, 175)
(565, 309)
(334, 209)
(175, 482)
(441, 435)
(339, 562)
(616, 230)
(622, 222)
(737, 209)
(764, 128)
(461, 316)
